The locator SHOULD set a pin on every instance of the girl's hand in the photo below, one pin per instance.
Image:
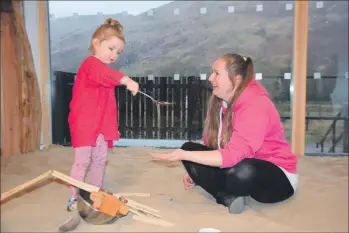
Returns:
(188, 182)
(172, 156)
(132, 86)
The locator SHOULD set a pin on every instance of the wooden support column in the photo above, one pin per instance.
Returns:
(300, 49)
(44, 70)
(20, 96)
(10, 85)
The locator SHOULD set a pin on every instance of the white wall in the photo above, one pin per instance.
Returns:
(31, 24)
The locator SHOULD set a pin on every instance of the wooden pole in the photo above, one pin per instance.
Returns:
(30, 106)
(10, 83)
(300, 47)
(44, 70)
(20, 93)
(26, 185)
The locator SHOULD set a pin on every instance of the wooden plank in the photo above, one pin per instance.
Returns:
(26, 185)
(44, 70)
(20, 102)
(300, 47)
(10, 89)
(30, 102)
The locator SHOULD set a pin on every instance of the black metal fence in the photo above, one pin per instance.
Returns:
(139, 118)
(137, 115)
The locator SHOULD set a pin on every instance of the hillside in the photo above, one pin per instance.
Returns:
(187, 43)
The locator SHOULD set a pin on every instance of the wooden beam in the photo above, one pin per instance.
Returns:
(44, 59)
(10, 87)
(20, 94)
(300, 47)
(30, 106)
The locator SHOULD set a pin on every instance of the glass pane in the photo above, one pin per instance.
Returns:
(327, 82)
(170, 49)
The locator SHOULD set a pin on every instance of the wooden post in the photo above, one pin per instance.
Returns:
(300, 47)
(10, 85)
(44, 70)
(30, 97)
(20, 94)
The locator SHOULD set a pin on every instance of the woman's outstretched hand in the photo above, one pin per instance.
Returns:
(188, 182)
(175, 155)
(209, 158)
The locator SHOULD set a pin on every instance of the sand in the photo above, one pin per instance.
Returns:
(321, 203)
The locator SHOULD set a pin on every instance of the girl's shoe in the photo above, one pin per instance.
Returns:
(72, 204)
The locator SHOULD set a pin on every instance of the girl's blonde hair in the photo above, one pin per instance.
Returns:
(235, 64)
(111, 27)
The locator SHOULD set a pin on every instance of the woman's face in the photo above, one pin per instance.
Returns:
(222, 85)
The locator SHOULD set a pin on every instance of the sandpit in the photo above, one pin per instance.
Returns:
(321, 203)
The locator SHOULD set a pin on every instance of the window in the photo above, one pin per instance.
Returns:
(327, 82)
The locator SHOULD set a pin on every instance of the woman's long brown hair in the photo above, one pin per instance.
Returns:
(235, 64)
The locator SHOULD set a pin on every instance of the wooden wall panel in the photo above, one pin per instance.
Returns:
(10, 90)
(20, 102)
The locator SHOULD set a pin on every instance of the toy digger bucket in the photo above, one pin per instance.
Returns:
(90, 214)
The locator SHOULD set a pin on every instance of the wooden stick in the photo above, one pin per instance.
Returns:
(142, 208)
(91, 188)
(133, 194)
(82, 185)
(138, 205)
(153, 221)
(74, 182)
(141, 212)
(27, 184)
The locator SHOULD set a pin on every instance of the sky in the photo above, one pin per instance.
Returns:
(67, 8)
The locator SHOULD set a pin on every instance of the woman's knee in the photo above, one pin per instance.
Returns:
(193, 146)
(243, 171)
(186, 146)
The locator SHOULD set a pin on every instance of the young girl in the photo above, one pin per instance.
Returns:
(245, 153)
(93, 110)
